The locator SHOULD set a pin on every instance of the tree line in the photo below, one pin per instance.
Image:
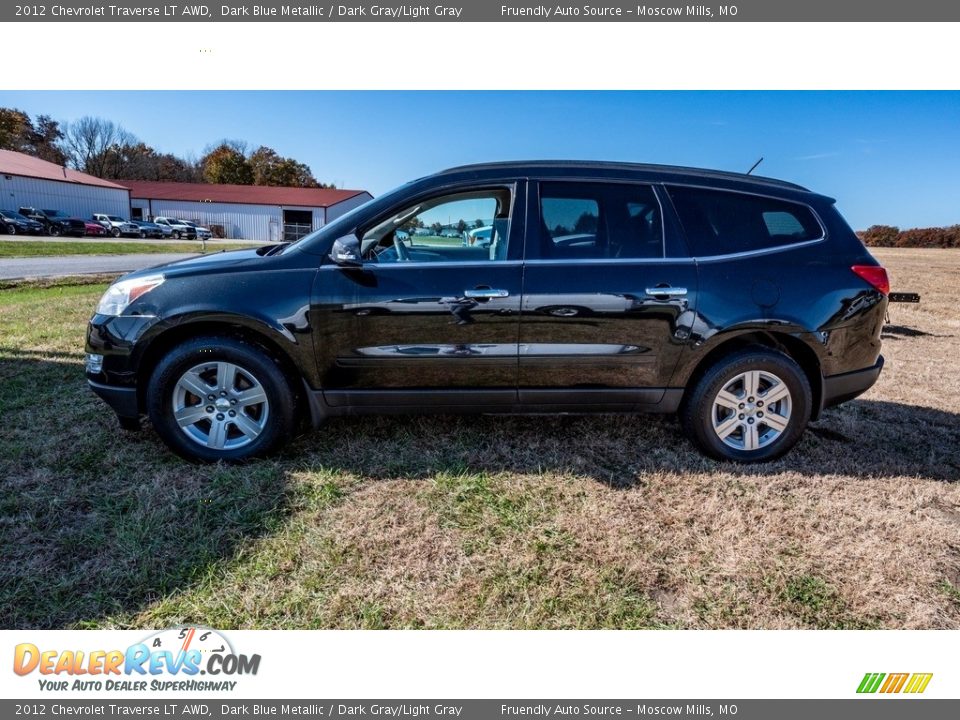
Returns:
(107, 150)
(890, 236)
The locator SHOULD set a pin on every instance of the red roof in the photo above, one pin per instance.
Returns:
(244, 194)
(14, 163)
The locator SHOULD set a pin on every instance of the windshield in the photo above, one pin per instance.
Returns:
(10, 215)
(115, 218)
(55, 213)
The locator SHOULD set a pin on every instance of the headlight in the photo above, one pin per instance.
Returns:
(119, 295)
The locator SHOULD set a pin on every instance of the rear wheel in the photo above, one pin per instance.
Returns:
(220, 399)
(752, 406)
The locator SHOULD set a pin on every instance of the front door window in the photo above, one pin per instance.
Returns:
(465, 227)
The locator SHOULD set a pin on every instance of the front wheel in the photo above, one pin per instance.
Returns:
(177, 234)
(217, 398)
(751, 406)
(54, 231)
(11, 230)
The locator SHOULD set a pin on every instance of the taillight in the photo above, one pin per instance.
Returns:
(876, 275)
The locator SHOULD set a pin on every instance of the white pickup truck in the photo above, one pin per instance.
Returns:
(180, 230)
(116, 225)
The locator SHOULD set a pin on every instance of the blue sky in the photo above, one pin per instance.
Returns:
(888, 157)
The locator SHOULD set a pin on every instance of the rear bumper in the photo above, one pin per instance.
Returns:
(122, 400)
(846, 386)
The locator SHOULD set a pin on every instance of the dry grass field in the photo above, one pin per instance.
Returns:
(571, 522)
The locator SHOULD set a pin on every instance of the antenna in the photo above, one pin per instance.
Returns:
(754, 166)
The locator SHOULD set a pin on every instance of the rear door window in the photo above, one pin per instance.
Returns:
(719, 222)
(586, 220)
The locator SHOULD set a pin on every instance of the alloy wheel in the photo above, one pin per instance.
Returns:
(220, 405)
(751, 410)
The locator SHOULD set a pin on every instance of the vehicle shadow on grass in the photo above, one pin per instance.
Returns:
(862, 439)
(97, 523)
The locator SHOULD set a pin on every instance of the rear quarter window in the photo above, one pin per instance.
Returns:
(719, 222)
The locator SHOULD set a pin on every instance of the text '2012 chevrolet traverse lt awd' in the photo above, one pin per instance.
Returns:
(745, 304)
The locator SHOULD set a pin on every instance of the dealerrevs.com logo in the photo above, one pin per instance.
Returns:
(909, 683)
(173, 659)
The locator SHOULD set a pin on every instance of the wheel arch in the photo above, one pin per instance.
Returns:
(233, 328)
(790, 345)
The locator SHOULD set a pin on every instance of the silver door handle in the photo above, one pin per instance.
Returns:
(486, 293)
(670, 291)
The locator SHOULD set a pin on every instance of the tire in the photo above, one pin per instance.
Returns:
(720, 424)
(115, 232)
(176, 234)
(263, 424)
(54, 231)
(11, 229)
(143, 235)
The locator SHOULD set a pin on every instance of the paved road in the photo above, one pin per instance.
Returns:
(45, 239)
(15, 268)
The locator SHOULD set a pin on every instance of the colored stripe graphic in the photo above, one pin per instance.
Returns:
(870, 682)
(894, 683)
(918, 683)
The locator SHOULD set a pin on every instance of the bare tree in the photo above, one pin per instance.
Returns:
(93, 144)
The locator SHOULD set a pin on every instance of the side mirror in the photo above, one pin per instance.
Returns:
(346, 251)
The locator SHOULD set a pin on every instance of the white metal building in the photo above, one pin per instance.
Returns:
(26, 181)
(249, 212)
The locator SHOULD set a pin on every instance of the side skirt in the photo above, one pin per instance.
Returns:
(572, 401)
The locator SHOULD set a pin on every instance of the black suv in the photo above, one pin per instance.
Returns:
(56, 222)
(745, 304)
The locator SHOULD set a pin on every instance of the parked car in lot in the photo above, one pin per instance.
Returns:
(202, 233)
(178, 229)
(480, 236)
(56, 222)
(744, 304)
(116, 225)
(92, 227)
(146, 229)
(13, 223)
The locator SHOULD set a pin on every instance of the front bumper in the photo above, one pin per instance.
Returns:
(846, 386)
(122, 400)
(113, 347)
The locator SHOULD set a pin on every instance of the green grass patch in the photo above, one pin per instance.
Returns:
(951, 591)
(428, 241)
(817, 603)
(474, 502)
(26, 248)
